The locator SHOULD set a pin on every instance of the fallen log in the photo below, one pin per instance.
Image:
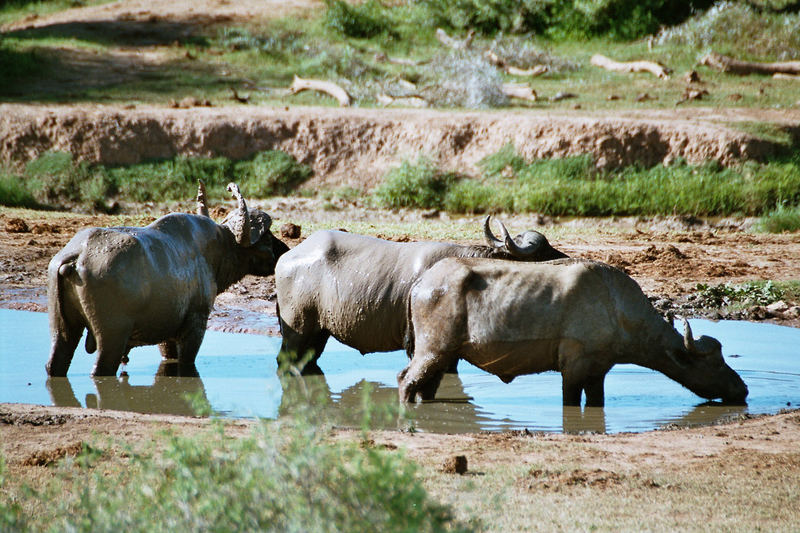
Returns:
(782, 76)
(327, 87)
(735, 66)
(518, 90)
(452, 42)
(652, 67)
(495, 60)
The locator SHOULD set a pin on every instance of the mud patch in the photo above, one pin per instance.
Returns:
(548, 480)
(52, 456)
(26, 419)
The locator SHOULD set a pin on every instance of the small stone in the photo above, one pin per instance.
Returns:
(778, 308)
(290, 231)
(456, 464)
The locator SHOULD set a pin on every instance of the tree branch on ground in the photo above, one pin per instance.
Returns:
(454, 43)
(735, 66)
(652, 67)
(327, 87)
(494, 59)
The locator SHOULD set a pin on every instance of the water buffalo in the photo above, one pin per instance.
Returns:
(577, 317)
(356, 287)
(153, 285)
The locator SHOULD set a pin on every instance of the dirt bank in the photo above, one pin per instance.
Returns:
(355, 147)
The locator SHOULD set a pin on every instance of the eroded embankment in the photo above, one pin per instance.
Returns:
(355, 146)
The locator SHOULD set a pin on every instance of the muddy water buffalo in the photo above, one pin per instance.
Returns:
(153, 285)
(356, 287)
(577, 317)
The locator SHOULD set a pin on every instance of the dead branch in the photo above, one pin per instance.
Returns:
(405, 101)
(734, 66)
(653, 68)
(383, 58)
(537, 70)
(452, 42)
(327, 87)
(495, 60)
(518, 90)
(782, 76)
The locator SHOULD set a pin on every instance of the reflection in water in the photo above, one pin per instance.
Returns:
(240, 379)
(174, 391)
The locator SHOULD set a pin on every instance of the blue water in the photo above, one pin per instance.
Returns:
(238, 378)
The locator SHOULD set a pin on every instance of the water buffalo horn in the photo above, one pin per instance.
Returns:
(515, 249)
(241, 229)
(688, 339)
(491, 240)
(202, 208)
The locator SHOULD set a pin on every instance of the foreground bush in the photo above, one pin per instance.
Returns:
(283, 477)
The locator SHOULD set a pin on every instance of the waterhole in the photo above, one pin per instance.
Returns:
(238, 379)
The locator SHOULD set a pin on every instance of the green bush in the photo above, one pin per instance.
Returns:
(55, 179)
(572, 186)
(11, 515)
(737, 28)
(739, 295)
(14, 193)
(284, 476)
(780, 220)
(419, 184)
(271, 173)
(365, 20)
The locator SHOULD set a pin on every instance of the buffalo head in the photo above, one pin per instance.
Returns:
(710, 376)
(527, 246)
(251, 229)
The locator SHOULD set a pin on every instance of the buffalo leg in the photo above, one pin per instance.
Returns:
(168, 349)
(595, 393)
(62, 350)
(189, 342)
(301, 350)
(422, 376)
(111, 348)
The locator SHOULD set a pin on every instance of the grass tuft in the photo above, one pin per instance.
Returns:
(781, 220)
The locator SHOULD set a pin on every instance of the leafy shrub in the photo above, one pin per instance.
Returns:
(735, 27)
(271, 172)
(414, 185)
(619, 19)
(284, 476)
(14, 193)
(54, 177)
(745, 294)
(11, 515)
(780, 220)
(365, 20)
(464, 79)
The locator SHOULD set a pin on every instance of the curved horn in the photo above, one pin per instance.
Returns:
(515, 249)
(241, 229)
(202, 208)
(491, 240)
(688, 339)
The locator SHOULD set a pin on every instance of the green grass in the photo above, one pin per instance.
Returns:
(282, 476)
(56, 180)
(780, 220)
(343, 42)
(574, 187)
